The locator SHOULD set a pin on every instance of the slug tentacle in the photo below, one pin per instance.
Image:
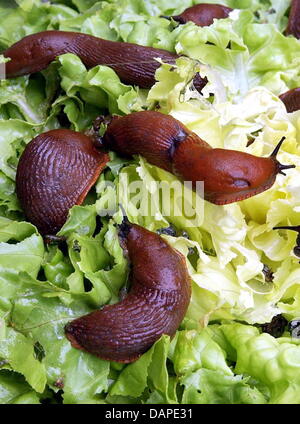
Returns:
(289, 227)
(281, 167)
(133, 63)
(273, 155)
(155, 305)
(277, 148)
(228, 175)
(55, 172)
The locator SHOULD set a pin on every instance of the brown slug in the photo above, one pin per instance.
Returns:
(293, 27)
(134, 64)
(155, 305)
(203, 14)
(228, 175)
(293, 228)
(54, 173)
(291, 99)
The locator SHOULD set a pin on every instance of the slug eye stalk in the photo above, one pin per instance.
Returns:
(273, 155)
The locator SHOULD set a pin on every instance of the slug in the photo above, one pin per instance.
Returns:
(293, 27)
(54, 173)
(228, 175)
(156, 303)
(291, 99)
(293, 228)
(202, 14)
(134, 64)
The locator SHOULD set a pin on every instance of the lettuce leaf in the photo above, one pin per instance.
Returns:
(14, 390)
(22, 359)
(275, 362)
(246, 54)
(210, 387)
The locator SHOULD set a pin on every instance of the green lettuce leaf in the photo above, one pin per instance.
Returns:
(246, 54)
(210, 387)
(14, 390)
(100, 87)
(274, 362)
(198, 362)
(22, 359)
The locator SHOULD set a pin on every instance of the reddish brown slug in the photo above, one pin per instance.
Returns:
(293, 27)
(228, 175)
(291, 99)
(55, 172)
(134, 64)
(203, 14)
(155, 305)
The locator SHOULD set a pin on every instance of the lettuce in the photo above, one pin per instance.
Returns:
(213, 358)
(22, 359)
(209, 387)
(275, 362)
(100, 87)
(210, 365)
(245, 53)
(15, 390)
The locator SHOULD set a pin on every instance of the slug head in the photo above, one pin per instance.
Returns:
(203, 14)
(228, 175)
(155, 263)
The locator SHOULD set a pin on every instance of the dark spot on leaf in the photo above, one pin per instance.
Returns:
(87, 285)
(39, 351)
(76, 246)
(294, 328)
(168, 231)
(269, 275)
(59, 383)
(276, 327)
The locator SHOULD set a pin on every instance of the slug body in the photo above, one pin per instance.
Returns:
(228, 175)
(293, 27)
(203, 14)
(134, 64)
(155, 305)
(55, 172)
(291, 99)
